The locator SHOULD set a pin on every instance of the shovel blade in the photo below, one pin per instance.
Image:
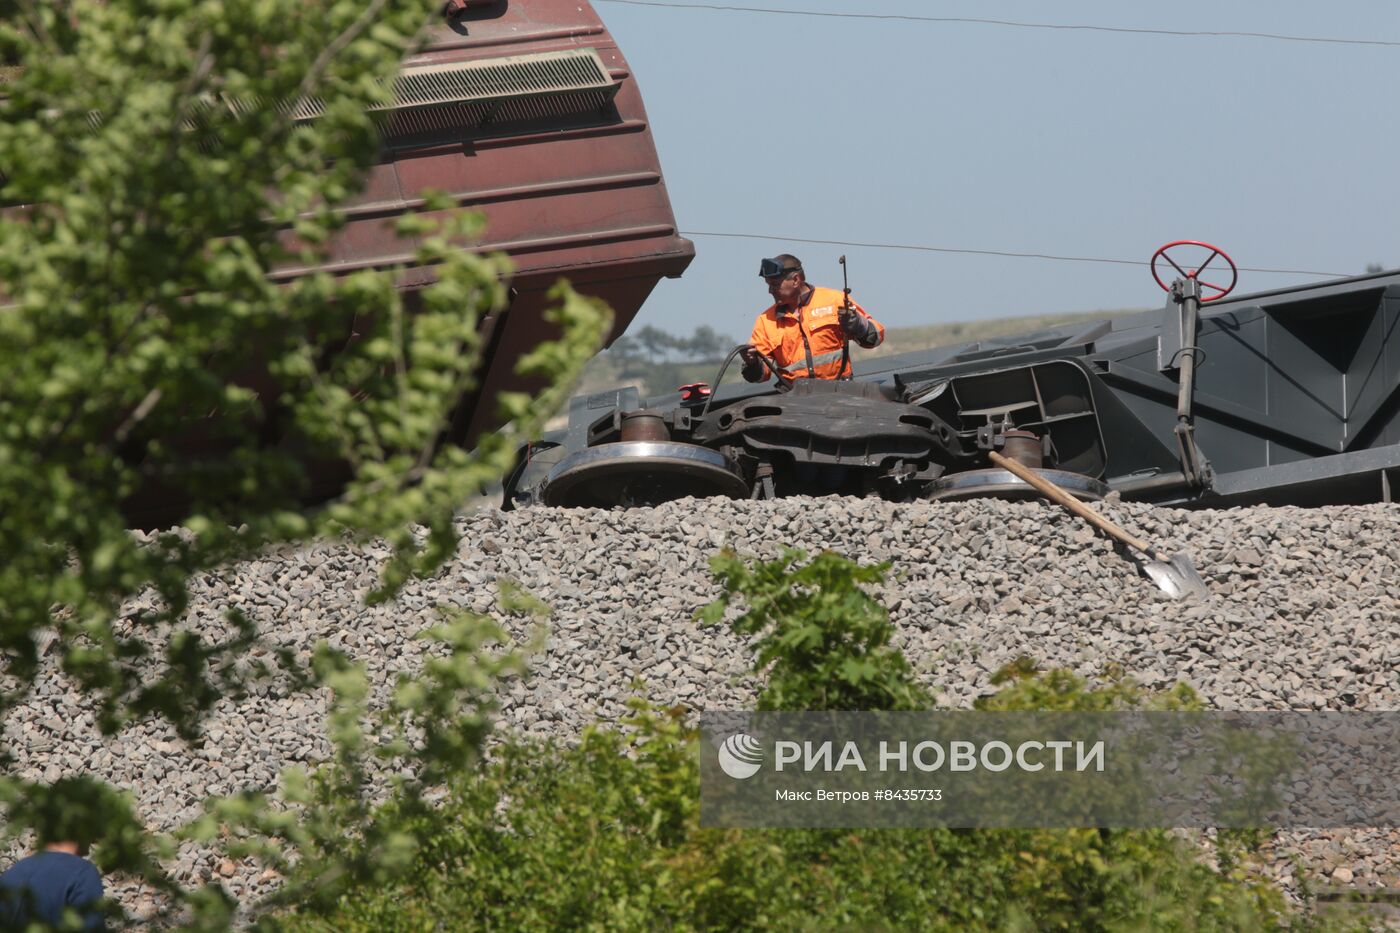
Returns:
(1177, 578)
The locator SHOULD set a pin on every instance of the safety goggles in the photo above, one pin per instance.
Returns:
(772, 269)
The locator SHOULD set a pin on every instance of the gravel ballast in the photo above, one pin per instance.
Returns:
(1302, 615)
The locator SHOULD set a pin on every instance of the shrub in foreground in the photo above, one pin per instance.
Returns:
(606, 834)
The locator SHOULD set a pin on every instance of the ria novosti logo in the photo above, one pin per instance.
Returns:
(740, 756)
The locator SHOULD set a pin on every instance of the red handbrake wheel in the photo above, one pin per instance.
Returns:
(1220, 290)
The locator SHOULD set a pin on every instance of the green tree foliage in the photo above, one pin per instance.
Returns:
(659, 359)
(706, 344)
(656, 343)
(154, 182)
(146, 344)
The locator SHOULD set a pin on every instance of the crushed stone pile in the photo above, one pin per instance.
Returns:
(1303, 615)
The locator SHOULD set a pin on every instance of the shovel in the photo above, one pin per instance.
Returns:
(1176, 576)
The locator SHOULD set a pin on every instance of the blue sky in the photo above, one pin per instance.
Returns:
(973, 136)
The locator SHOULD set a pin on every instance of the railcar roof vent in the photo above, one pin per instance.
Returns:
(498, 81)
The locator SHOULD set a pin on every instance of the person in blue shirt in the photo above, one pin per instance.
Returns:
(42, 886)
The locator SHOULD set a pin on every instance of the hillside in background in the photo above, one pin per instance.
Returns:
(908, 339)
(657, 362)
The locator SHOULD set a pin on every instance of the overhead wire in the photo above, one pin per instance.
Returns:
(1018, 24)
(982, 252)
(1174, 33)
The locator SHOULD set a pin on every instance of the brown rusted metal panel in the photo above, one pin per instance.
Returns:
(568, 189)
(567, 178)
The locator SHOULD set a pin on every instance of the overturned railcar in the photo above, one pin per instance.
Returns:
(1287, 397)
(525, 111)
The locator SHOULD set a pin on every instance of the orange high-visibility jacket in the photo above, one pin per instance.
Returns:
(815, 327)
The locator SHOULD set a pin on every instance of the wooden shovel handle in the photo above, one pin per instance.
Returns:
(1056, 494)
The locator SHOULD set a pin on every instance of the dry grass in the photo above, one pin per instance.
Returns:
(908, 339)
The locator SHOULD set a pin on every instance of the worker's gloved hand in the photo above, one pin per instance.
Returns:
(755, 370)
(851, 322)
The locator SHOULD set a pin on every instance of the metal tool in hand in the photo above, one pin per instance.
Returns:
(844, 317)
(1176, 575)
(847, 311)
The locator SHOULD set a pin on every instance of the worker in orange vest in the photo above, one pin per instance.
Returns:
(808, 330)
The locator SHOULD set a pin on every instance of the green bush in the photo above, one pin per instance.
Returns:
(606, 834)
(819, 639)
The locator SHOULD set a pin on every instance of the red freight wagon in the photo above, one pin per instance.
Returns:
(527, 112)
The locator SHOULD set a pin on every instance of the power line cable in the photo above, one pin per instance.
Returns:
(984, 252)
(1068, 27)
